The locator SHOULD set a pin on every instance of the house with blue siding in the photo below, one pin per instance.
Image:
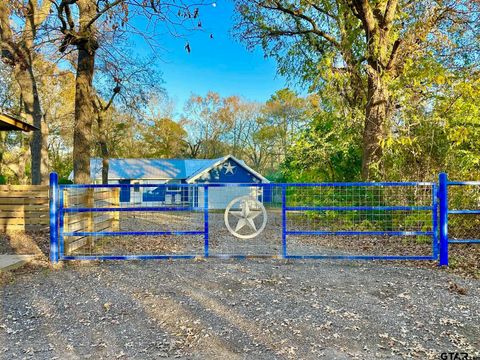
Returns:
(227, 169)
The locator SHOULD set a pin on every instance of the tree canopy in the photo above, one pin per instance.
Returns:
(362, 49)
(379, 89)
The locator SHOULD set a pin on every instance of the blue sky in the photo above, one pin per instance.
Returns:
(221, 64)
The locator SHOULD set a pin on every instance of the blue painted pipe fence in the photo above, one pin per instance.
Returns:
(54, 217)
(439, 209)
(445, 211)
(443, 201)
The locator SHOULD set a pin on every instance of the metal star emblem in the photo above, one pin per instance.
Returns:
(229, 168)
(245, 217)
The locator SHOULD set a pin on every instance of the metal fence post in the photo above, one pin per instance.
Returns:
(54, 217)
(443, 201)
(205, 219)
(435, 234)
(284, 221)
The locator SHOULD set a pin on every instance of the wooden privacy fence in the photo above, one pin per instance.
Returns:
(24, 207)
(89, 221)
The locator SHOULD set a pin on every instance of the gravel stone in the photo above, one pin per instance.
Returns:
(218, 309)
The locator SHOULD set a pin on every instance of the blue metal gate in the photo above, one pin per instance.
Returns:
(82, 217)
(459, 214)
(368, 221)
(388, 212)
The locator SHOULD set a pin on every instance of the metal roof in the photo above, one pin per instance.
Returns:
(170, 169)
(161, 169)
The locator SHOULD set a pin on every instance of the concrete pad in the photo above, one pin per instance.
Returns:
(10, 262)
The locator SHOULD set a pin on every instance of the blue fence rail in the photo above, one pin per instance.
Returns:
(449, 206)
(417, 210)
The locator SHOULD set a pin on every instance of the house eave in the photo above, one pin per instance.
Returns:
(13, 123)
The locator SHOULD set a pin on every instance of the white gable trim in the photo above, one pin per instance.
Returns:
(190, 180)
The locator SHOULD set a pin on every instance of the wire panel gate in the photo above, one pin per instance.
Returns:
(385, 221)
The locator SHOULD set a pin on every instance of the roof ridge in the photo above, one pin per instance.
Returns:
(183, 159)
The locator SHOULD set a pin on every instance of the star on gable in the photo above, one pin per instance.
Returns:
(229, 168)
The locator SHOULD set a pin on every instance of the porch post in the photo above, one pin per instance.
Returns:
(284, 221)
(205, 219)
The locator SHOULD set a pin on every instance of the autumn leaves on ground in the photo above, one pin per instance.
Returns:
(259, 309)
(464, 259)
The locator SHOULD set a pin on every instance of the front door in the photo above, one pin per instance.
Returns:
(124, 191)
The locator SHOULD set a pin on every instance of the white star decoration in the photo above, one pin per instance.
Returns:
(250, 208)
(229, 168)
(245, 217)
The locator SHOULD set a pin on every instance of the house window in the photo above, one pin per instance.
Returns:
(173, 189)
(171, 186)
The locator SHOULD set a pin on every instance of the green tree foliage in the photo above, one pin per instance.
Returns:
(437, 125)
(361, 49)
(327, 151)
(164, 138)
(284, 115)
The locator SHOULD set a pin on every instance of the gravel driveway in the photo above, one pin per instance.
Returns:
(220, 309)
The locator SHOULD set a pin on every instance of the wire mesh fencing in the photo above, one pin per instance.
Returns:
(369, 220)
(245, 220)
(131, 220)
(464, 212)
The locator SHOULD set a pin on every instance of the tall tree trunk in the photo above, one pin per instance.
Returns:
(377, 19)
(32, 111)
(87, 45)
(84, 114)
(3, 136)
(39, 143)
(20, 54)
(376, 115)
(105, 164)
(103, 145)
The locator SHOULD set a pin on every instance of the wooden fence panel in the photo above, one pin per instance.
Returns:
(89, 221)
(24, 207)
